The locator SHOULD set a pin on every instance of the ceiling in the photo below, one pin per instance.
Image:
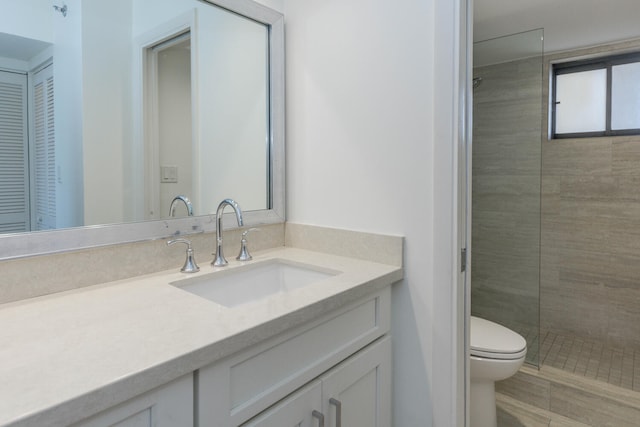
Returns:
(567, 24)
(16, 47)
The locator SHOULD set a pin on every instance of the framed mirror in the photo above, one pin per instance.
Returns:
(127, 105)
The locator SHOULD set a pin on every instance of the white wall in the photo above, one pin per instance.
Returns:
(27, 18)
(107, 110)
(67, 69)
(370, 146)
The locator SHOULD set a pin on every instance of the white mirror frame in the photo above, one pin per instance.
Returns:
(47, 242)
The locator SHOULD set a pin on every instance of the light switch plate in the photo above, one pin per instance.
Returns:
(169, 174)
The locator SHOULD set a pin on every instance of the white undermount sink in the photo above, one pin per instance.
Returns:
(253, 281)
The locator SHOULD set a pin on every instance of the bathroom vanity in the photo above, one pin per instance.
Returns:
(142, 349)
(284, 380)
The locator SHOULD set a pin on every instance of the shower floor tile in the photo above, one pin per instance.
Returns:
(591, 359)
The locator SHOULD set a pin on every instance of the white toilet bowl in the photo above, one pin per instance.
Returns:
(496, 354)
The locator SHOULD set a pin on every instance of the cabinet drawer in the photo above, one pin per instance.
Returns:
(241, 386)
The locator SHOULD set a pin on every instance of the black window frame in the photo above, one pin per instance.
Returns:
(601, 63)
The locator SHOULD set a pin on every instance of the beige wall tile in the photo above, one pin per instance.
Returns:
(528, 389)
(625, 155)
(591, 409)
(567, 157)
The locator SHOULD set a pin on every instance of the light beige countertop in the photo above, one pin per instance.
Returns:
(72, 354)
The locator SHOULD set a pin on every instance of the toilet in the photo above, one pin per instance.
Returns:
(497, 353)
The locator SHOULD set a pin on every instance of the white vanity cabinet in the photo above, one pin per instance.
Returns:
(358, 391)
(338, 363)
(355, 393)
(168, 406)
(300, 409)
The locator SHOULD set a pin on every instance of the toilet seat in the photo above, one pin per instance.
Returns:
(493, 341)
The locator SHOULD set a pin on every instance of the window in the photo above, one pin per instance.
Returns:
(596, 97)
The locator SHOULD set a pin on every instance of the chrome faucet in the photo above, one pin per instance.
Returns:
(220, 260)
(183, 199)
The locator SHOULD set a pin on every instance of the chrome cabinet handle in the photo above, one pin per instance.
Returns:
(319, 416)
(338, 405)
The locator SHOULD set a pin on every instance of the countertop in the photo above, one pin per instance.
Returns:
(69, 355)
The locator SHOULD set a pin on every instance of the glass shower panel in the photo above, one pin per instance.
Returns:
(507, 135)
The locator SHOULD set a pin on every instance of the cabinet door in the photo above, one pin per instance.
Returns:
(168, 406)
(357, 393)
(238, 388)
(299, 409)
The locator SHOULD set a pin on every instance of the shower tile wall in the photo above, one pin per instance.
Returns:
(506, 194)
(590, 283)
(591, 239)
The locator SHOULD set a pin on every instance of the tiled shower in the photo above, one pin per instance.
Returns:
(556, 223)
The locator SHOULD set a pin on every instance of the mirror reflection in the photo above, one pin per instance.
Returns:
(110, 110)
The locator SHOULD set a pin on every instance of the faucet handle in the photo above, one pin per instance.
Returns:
(190, 265)
(244, 254)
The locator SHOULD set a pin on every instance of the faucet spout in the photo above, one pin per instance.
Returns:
(183, 199)
(220, 260)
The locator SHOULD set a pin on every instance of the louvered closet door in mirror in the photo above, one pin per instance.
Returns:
(43, 152)
(14, 171)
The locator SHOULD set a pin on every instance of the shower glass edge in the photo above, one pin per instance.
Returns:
(506, 192)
